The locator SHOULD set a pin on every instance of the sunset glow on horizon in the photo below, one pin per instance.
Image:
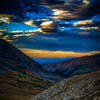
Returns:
(35, 53)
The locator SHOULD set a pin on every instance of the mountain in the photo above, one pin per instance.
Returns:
(81, 87)
(20, 76)
(74, 66)
(10, 53)
(14, 59)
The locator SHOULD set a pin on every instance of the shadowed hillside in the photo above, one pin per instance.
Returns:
(13, 59)
(19, 75)
(75, 66)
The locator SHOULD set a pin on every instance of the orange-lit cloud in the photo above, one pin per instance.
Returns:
(83, 22)
(59, 12)
(90, 28)
(49, 54)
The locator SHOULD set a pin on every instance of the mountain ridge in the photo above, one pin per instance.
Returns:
(74, 66)
(81, 87)
(23, 78)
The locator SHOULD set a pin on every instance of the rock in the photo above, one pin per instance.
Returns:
(82, 87)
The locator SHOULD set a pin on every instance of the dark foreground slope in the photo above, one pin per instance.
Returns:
(75, 66)
(13, 59)
(19, 75)
(81, 87)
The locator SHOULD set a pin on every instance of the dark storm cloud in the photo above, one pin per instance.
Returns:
(76, 8)
(51, 2)
(63, 43)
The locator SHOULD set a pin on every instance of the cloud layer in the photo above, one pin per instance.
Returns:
(53, 54)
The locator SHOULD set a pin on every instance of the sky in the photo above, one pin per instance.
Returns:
(60, 41)
(75, 37)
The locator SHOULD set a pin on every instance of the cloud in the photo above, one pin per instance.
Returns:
(36, 53)
(60, 42)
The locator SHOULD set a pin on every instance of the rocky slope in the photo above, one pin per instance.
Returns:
(74, 66)
(82, 87)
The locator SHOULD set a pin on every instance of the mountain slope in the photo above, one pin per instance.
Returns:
(12, 58)
(21, 77)
(82, 87)
(19, 74)
(75, 66)
(10, 53)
